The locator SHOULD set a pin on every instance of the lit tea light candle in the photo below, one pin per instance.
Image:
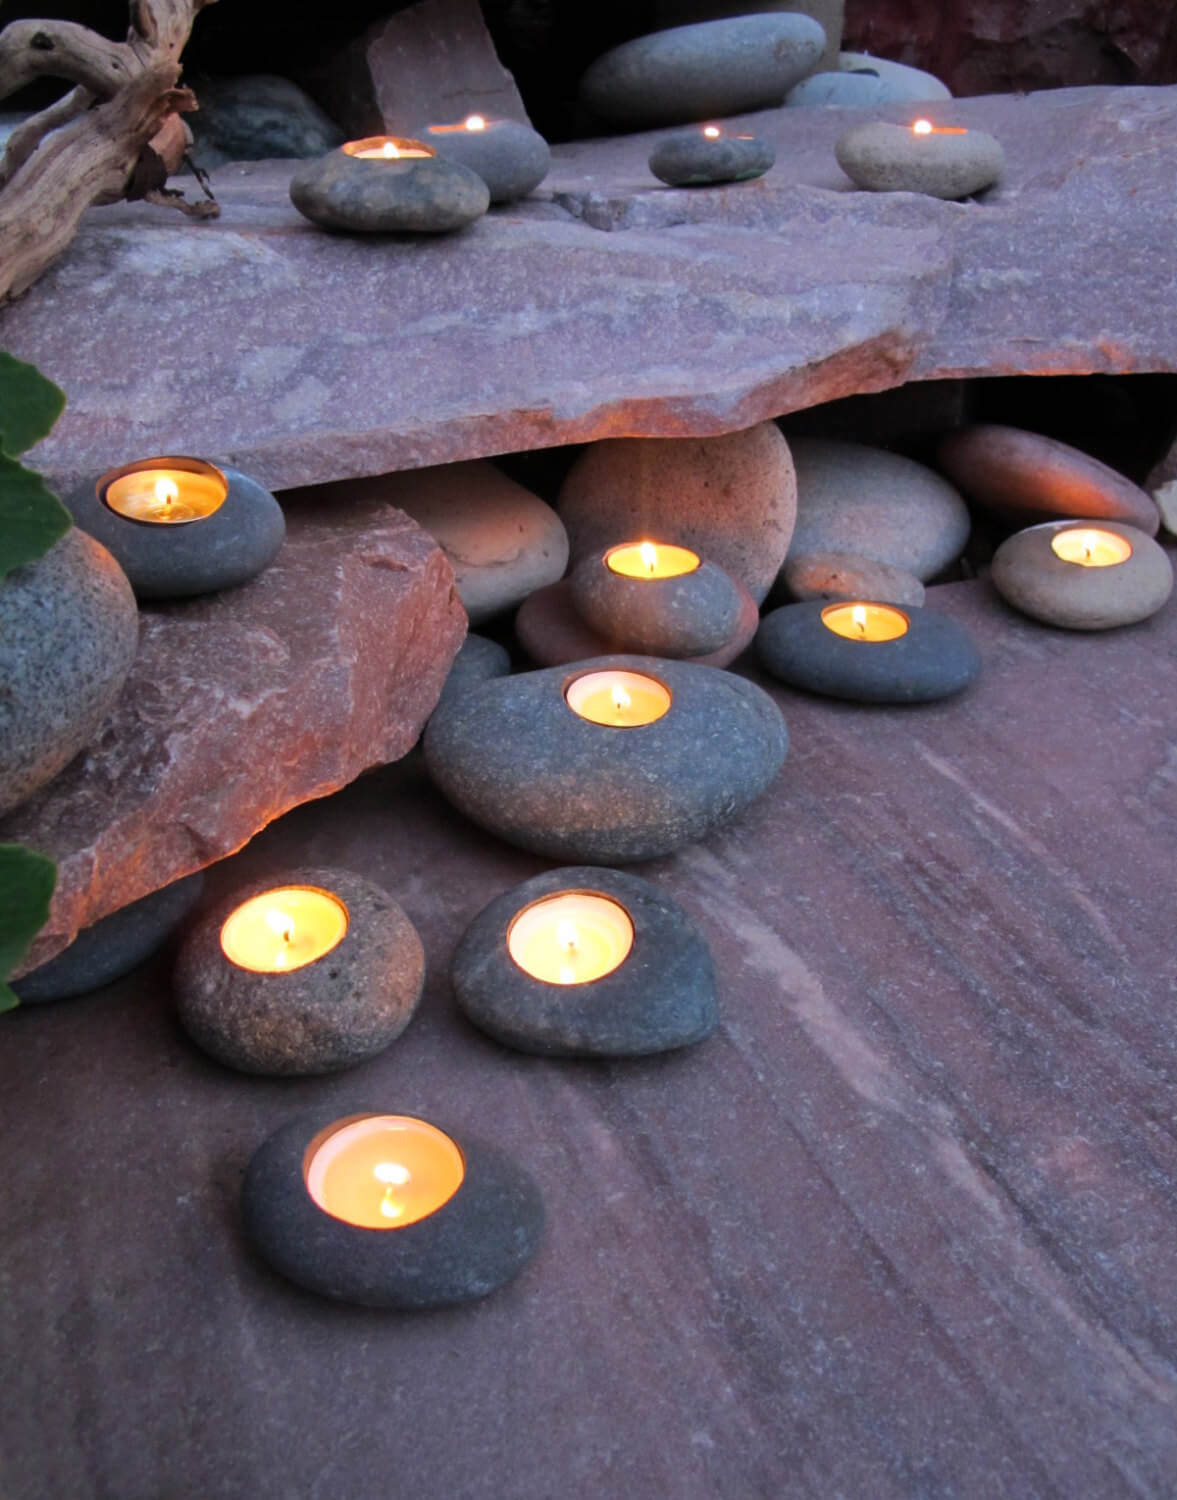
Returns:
(651, 560)
(925, 127)
(865, 622)
(712, 132)
(571, 938)
(165, 494)
(284, 929)
(1090, 547)
(387, 148)
(471, 122)
(621, 700)
(383, 1171)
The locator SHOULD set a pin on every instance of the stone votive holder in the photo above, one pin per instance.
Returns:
(269, 1008)
(585, 962)
(483, 1223)
(707, 155)
(944, 161)
(510, 157)
(1083, 574)
(385, 185)
(917, 656)
(181, 526)
(691, 608)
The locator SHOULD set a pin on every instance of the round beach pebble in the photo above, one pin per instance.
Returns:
(69, 628)
(875, 504)
(514, 757)
(1029, 575)
(894, 159)
(692, 159)
(552, 631)
(731, 499)
(1026, 476)
(330, 1014)
(864, 82)
(686, 616)
(934, 659)
(363, 196)
(509, 156)
(241, 538)
(662, 995)
(713, 68)
(842, 575)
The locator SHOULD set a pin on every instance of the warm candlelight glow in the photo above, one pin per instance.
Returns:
(621, 700)
(865, 622)
(387, 148)
(925, 127)
(382, 1171)
(712, 132)
(475, 122)
(647, 560)
(1090, 547)
(570, 938)
(284, 929)
(163, 494)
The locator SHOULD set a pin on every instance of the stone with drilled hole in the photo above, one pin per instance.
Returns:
(1028, 575)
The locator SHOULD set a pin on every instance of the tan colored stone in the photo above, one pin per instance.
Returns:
(842, 575)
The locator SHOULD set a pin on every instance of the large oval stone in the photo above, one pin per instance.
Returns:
(1028, 477)
(894, 159)
(851, 498)
(351, 193)
(713, 68)
(68, 632)
(731, 499)
(514, 758)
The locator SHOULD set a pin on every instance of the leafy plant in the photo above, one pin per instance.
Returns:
(27, 880)
(32, 518)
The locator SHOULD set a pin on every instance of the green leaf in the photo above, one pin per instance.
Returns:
(29, 405)
(27, 880)
(32, 518)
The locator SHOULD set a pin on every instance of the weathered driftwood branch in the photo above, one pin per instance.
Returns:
(115, 135)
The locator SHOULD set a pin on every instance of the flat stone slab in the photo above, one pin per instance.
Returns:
(903, 1226)
(302, 357)
(241, 705)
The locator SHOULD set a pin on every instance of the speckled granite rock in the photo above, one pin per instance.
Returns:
(258, 116)
(1028, 575)
(114, 946)
(661, 997)
(220, 551)
(478, 660)
(731, 499)
(415, 195)
(515, 759)
(875, 504)
(552, 632)
(68, 634)
(691, 159)
(718, 68)
(509, 156)
(1026, 476)
(842, 575)
(864, 82)
(935, 659)
(482, 1237)
(684, 616)
(241, 705)
(892, 159)
(330, 1014)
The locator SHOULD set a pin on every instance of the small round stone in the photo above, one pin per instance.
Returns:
(517, 760)
(865, 82)
(934, 659)
(510, 157)
(894, 159)
(710, 69)
(661, 996)
(688, 615)
(1027, 476)
(875, 504)
(473, 1244)
(843, 575)
(68, 633)
(692, 159)
(113, 946)
(552, 631)
(1028, 574)
(229, 547)
(330, 1014)
(364, 196)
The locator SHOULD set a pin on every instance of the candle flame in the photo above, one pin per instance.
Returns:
(711, 132)
(858, 615)
(566, 934)
(166, 490)
(280, 922)
(621, 699)
(649, 555)
(475, 122)
(391, 1171)
(922, 127)
(389, 150)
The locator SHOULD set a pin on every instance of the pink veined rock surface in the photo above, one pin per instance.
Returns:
(244, 704)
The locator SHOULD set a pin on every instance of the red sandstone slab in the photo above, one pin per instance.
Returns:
(304, 356)
(903, 1227)
(243, 704)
